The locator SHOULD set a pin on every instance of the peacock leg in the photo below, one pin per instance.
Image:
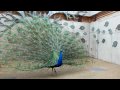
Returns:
(52, 69)
(55, 70)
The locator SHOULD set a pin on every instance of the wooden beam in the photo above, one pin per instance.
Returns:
(102, 14)
(78, 17)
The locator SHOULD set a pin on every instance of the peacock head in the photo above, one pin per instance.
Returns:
(61, 50)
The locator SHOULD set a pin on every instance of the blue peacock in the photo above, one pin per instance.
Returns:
(42, 42)
(57, 58)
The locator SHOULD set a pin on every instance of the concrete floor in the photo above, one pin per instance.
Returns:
(96, 70)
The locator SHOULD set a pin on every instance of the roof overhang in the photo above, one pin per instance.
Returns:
(82, 13)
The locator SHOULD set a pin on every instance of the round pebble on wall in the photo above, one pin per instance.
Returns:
(98, 31)
(72, 27)
(118, 27)
(103, 31)
(82, 27)
(83, 40)
(103, 41)
(85, 33)
(97, 41)
(115, 43)
(106, 23)
(110, 31)
(66, 32)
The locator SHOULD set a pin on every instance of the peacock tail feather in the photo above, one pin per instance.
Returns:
(38, 40)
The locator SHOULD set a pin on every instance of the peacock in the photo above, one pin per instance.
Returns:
(55, 57)
(35, 41)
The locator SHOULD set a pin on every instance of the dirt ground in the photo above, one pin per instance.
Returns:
(98, 69)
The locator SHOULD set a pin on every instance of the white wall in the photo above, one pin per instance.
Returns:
(93, 12)
(93, 44)
(105, 51)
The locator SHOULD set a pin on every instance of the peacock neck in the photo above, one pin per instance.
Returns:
(60, 57)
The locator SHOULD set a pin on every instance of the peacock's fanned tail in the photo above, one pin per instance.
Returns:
(33, 38)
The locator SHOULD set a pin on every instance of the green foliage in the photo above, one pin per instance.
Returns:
(34, 39)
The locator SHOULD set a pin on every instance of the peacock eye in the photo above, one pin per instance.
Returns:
(72, 27)
(65, 23)
(82, 27)
(77, 33)
(66, 32)
(85, 33)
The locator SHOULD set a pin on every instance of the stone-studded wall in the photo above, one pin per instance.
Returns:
(106, 44)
